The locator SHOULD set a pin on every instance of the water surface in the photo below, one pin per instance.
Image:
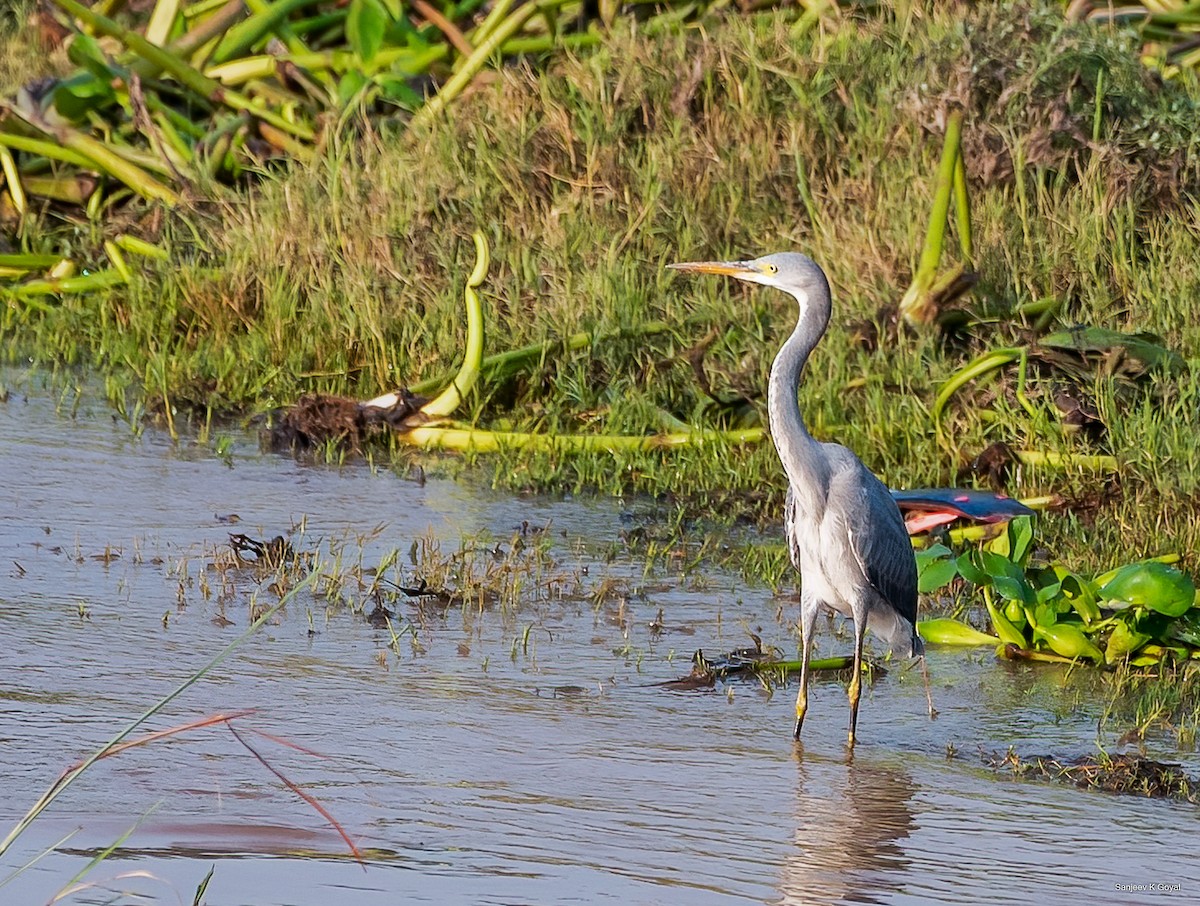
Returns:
(517, 754)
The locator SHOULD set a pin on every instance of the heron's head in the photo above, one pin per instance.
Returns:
(789, 271)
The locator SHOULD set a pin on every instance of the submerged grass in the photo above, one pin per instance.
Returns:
(345, 275)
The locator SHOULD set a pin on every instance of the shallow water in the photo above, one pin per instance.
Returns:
(488, 763)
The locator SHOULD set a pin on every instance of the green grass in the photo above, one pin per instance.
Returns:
(591, 174)
(23, 56)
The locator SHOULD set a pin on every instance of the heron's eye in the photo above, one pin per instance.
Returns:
(771, 269)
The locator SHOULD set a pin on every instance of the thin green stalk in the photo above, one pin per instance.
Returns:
(30, 261)
(243, 36)
(495, 15)
(470, 68)
(190, 77)
(63, 782)
(917, 307)
(448, 400)
(117, 259)
(45, 149)
(112, 163)
(213, 27)
(962, 208)
(479, 441)
(285, 31)
(140, 247)
(982, 365)
(516, 47)
(86, 283)
(12, 179)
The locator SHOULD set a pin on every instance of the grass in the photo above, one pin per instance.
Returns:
(23, 55)
(590, 174)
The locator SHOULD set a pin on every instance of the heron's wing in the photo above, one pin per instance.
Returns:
(789, 528)
(877, 536)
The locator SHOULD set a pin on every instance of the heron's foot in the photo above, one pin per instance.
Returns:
(850, 740)
(801, 709)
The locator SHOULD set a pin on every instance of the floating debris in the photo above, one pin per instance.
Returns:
(1127, 774)
(273, 553)
(761, 665)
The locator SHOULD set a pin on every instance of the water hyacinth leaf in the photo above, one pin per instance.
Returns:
(935, 574)
(1013, 589)
(1145, 348)
(971, 572)
(1044, 614)
(366, 25)
(945, 631)
(1080, 593)
(1020, 538)
(1069, 641)
(1052, 592)
(1009, 633)
(1187, 629)
(1007, 578)
(1123, 641)
(1152, 585)
(1016, 542)
(936, 566)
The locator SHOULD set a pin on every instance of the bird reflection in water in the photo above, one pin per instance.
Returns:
(852, 818)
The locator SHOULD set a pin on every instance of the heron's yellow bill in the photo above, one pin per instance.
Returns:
(724, 268)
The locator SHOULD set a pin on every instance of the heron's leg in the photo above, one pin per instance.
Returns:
(808, 623)
(860, 628)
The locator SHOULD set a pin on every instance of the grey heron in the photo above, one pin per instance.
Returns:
(845, 533)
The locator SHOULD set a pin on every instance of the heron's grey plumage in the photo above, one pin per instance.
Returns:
(845, 533)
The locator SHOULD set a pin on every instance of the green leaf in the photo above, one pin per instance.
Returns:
(365, 26)
(1123, 641)
(1007, 577)
(74, 98)
(1044, 615)
(935, 567)
(936, 574)
(1153, 585)
(951, 632)
(971, 572)
(84, 51)
(1020, 535)
(349, 86)
(1069, 641)
(1052, 592)
(1145, 348)
(398, 90)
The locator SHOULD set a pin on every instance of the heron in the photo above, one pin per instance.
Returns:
(845, 534)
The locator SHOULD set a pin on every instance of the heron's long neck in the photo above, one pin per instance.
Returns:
(800, 453)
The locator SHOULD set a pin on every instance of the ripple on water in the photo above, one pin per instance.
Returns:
(459, 770)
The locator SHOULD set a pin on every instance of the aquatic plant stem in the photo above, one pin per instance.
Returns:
(450, 398)
(477, 441)
(918, 305)
(463, 77)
